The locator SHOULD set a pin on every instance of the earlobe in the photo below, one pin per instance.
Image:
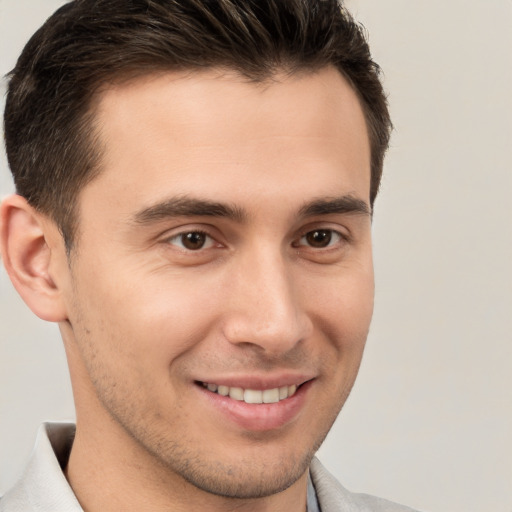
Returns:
(29, 258)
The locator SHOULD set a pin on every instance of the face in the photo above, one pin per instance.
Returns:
(223, 258)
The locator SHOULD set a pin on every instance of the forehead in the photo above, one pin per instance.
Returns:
(201, 99)
(216, 131)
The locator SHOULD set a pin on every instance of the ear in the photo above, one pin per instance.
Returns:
(32, 255)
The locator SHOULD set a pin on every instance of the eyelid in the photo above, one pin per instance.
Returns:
(338, 229)
(176, 240)
(337, 237)
(175, 234)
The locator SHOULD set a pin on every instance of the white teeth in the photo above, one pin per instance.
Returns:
(253, 396)
(223, 390)
(271, 396)
(236, 393)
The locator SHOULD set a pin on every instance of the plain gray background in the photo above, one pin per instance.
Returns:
(429, 422)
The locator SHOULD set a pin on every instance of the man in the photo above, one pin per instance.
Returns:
(195, 183)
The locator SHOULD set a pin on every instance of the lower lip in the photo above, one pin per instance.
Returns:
(259, 417)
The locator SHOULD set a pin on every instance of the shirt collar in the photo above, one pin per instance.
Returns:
(313, 505)
(43, 486)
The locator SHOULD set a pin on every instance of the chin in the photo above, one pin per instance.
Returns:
(245, 479)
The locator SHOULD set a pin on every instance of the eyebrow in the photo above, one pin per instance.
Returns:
(347, 204)
(192, 207)
(187, 207)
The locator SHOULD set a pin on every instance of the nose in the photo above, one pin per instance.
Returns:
(265, 305)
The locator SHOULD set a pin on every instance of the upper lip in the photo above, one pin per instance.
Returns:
(258, 382)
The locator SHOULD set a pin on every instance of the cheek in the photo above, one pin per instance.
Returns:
(343, 305)
(150, 322)
(350, 312)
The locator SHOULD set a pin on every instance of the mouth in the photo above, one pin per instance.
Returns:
(251, 404)
(252, 396)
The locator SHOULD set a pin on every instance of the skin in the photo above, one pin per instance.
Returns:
(281, 291)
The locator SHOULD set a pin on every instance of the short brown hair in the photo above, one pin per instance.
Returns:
(49, 124)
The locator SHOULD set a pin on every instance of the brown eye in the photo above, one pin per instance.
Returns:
(320, 238)
(192, 240)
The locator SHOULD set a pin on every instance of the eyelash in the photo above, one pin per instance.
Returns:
(179, 237)
(340, 237)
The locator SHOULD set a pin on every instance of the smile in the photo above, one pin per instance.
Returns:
(253, 396)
